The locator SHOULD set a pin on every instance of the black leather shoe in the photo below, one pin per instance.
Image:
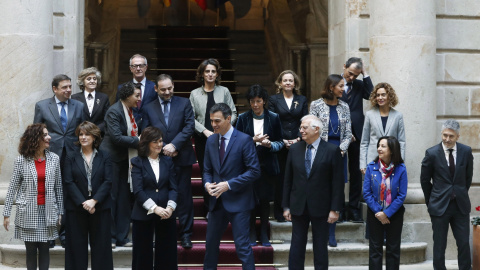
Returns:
(356, 217)
(62, 241)
(186, 242)
(51, 243)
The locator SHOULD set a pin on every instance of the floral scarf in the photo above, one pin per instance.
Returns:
(386, 189)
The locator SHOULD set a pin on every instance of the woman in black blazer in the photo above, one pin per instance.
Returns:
(121, 141)
(265, 129)
(291, 107)
(87, 177)
(155, 192)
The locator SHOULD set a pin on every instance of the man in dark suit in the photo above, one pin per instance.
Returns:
(312, 193)
(355, 92)
(138, 66)
(174, 117)
(230, 168)
(61, 115)
(446, 176)
(95, 103)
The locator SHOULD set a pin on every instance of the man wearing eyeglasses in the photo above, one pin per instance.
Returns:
(138, 66)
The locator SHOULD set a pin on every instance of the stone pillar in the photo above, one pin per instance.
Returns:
(26, 50)
(402, 52)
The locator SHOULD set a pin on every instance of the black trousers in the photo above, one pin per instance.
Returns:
(165, 244)
(121, 203)
(277, 206)
(460, 224)
(355, 175)
(43, 251)
(184, 208)
(81, 228)
(200, 142)
(300, 224)
(393, 232)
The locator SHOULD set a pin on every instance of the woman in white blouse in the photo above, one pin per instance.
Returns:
(155, 190)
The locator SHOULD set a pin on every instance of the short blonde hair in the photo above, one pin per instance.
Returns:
(296, 80)
(84, 74)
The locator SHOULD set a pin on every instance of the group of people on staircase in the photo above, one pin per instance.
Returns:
(95, 169)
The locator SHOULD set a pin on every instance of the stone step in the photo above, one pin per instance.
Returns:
(345, 232)
(427, 265)
(352, 254)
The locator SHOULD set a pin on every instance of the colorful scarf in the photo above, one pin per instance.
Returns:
(386, 189)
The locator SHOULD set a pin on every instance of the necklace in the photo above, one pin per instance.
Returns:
(338, 126)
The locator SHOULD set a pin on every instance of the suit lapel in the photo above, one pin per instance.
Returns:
(378, 121)
(390, 120)
(33, 171)
(54, 111)
(173, 110)
(158, 111)
(318, 156)
(281, 101)
(96, 163)
(96, 105)
(71, 113)
(149, 170)
(294, 106)
(443, 160)
(81, 164)
(266, 122)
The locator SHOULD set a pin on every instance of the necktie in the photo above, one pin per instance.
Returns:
(139, 86)
(166, 111)
(90, 97)
(63, 116)
(308, 159)
(221, 151)
(349, 88)
(451, 162)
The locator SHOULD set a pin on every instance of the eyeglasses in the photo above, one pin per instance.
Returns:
(304, 128)
(138, 66)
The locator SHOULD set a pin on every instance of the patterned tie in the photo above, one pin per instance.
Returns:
(221, 152)
(139, 86)
(349, 92)
(308, 159)
(166, 111)
(63, 116)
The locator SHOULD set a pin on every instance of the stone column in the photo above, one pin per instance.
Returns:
(27, 64)
(402, 52)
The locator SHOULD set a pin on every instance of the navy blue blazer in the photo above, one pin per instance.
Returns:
(148, 96)
(240, 169)
(46, 111)
(360, 90)
(272, 127)
(100, 107)
(76, 182)
(145, 185)
(290, 118)
(116, 140)
(181, 125)
(437, 184)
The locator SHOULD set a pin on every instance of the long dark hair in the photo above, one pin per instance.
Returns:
(394, 147)
(149, 135)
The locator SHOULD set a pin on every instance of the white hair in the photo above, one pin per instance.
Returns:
(451, 124)
(314, 121)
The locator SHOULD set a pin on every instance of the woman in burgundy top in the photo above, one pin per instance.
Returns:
(36, 186)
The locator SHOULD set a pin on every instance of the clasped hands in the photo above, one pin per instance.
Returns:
(332, 216)
(169, 150)
(382, 217)
(263, 140)
(89, 205)
(215, 189)
(163, 213)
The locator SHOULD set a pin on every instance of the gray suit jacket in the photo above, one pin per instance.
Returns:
(46, 112)
(437, 184)
(373, 130)
(23, 187)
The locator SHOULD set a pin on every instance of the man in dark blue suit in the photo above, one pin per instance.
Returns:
(230, 168)
(138, 66)
(174, 117)
(446, 177)
(355, 92)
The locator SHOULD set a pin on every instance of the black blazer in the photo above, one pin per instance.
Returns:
(148, 96)
(273, 128)
(116, 140)
(322, 191)
(100, 107)
(360, 90)
(181, 125)
(437, 184)
(145, 185)
(76, 182)
(290, 118)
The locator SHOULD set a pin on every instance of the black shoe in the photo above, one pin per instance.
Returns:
(356, 217)
(186, 242)
(62, 241)
(332, 242)
(341, 217)
(281, 219)
(51, 243)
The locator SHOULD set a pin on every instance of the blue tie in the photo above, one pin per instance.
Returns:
(63, 116)
(221, 151)
(308, 159)
(166, 112)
